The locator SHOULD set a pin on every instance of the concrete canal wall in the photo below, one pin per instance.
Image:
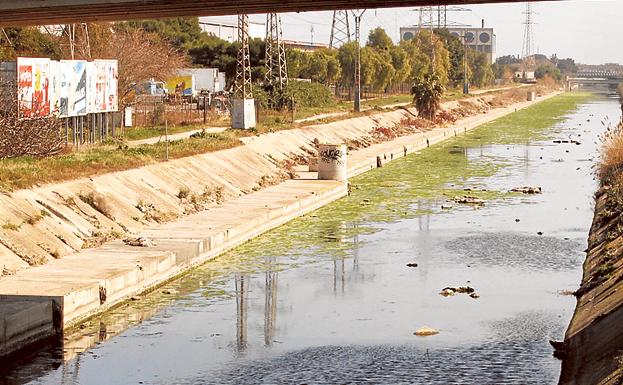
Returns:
(592, 351)
(179, 214)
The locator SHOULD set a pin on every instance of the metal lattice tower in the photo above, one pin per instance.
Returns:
(526, 51)
(442, 16)
(276, 67)
(357, 102)
(426, 19)
(242, 84)
(437, 17)
(340, 29)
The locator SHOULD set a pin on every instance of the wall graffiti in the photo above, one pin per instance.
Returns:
(331, 155)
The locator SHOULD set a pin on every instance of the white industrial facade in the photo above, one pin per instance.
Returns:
(479, 39)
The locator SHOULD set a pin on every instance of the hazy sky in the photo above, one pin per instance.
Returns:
(588, 30)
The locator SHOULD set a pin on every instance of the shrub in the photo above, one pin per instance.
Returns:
(427, 93)
(304, 94)
(611, 153)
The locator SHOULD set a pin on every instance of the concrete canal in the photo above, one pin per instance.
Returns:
(329, 298)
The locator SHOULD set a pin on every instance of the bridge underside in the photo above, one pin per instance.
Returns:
(588, 81)
(37, 12)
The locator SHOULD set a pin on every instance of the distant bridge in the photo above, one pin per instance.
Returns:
(38, 12)
(595, 77)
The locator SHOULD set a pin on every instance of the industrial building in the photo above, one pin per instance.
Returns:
(480, 39)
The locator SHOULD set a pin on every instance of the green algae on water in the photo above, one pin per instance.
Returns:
(409, 187)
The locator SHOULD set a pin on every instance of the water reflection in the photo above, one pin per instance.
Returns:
(289, 307)
(270, 301)
(242, 298)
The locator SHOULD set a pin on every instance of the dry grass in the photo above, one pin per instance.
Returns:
(611, 153)
(26, 172)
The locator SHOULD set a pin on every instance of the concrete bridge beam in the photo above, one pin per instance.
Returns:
(38, 12)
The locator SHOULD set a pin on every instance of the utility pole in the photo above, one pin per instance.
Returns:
(357, 16)
(526, 54)
(276, 67)
(340, 29)
(243, 105)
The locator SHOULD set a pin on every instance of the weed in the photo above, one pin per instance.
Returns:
(98, 202)
(11, 226)
(184, 193)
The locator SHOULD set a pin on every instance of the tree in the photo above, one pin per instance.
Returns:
(28, 41)
(379, 39)
(424, 50)
(509, 59)
(141, 55)
(182, 32)
(456, 52)
(548, 70)
(401, 63)
(481, 71)
(347, 56)
(427, 94)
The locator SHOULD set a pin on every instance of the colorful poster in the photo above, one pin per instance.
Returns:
(55, 87)
(112, 85)
(180, 85)
(73, 88)
(103, 93)
(33, 87)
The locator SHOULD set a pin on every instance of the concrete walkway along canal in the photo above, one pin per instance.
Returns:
(333, 287)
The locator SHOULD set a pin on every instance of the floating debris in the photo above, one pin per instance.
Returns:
(412, 264)
(527, 190)
(446, 206)
(450, 291)
(470, 200)
(426, 331)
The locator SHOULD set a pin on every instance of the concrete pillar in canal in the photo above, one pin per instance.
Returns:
(332, 162)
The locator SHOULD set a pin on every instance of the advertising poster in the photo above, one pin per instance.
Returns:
(90, 74)
(73, 88)
(55, 87)
(33, 87)
(103, 84)
(180, 85)
(112, 85)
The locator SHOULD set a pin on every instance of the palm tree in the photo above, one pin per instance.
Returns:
(427, 93)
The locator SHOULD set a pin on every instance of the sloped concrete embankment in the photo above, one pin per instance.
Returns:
(592, 351)
(187, 211)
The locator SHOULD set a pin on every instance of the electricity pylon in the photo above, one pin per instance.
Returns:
(276, 67)
(242, 84)
(526, 52)
(340, 29)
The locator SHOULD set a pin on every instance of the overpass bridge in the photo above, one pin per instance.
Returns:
(38, 12)
(613, 78)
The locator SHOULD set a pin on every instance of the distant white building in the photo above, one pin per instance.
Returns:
(227, 29)
(480, 39)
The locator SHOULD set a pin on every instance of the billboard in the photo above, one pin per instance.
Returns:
(55, 87)
(181, 85)
(103, 85)
(33, 87)
(67, 88)
(73, 88)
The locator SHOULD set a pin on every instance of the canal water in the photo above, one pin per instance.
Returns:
(329, 298)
